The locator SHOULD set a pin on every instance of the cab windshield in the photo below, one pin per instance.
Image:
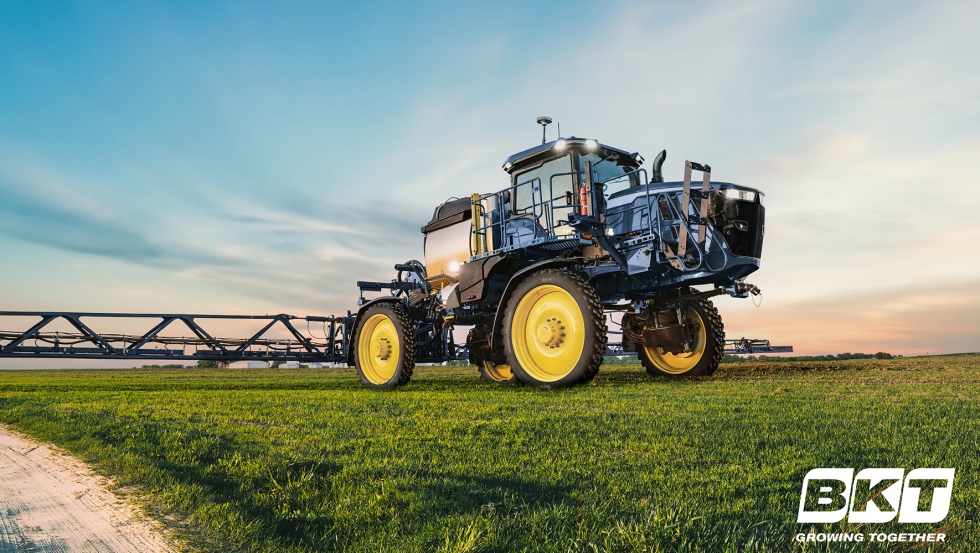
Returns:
(611, 170)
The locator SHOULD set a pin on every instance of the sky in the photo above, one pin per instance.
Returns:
(254, 157)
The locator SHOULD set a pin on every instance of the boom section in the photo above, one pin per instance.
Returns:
(311, 339)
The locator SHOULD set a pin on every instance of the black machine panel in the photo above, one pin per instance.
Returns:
(742, 222)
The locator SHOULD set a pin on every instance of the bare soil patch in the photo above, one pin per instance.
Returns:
(52, 502)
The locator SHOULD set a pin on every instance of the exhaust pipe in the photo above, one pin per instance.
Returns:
(656, 175)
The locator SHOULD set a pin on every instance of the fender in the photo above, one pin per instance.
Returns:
(498, 320)
(351, 346)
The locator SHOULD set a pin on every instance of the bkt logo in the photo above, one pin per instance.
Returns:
(874, 495)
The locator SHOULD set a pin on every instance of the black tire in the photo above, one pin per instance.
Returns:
(478, 341)
(385, 358)
(550, 310)
(703, 360)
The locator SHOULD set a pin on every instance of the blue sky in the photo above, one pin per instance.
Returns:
(261, 157)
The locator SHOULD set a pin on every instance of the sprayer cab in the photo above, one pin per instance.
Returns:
(561, 165)
(634, 236)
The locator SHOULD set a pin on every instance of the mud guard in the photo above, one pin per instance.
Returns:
(498, 318)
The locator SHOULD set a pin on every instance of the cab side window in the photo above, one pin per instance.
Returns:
(555, 183)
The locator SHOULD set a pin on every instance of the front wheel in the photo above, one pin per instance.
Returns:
(385, 346)
(554, 330)
(707, 349)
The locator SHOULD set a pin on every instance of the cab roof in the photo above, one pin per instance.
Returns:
(517, 160)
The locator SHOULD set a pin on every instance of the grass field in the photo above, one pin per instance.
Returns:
(309, 460)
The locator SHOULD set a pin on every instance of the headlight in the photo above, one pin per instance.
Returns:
(738, 194)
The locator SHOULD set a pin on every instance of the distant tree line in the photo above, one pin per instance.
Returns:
(632, 359)
(838, 357)
(618, 360)
(621, 360)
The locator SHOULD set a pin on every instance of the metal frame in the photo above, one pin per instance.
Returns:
(741, 346)
(89, 344)
(749, 346)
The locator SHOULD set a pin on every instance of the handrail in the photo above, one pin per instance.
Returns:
(543, 207)
(539, 208)
(682, 221)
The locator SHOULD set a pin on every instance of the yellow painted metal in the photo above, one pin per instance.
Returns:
(682, 362)
(475, 223)
(378, 348)
(499, 373)
(548, 333)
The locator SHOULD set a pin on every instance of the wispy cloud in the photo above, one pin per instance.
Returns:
(29, 212)
(308, 258)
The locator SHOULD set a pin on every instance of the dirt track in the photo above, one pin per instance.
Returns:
(49, 502)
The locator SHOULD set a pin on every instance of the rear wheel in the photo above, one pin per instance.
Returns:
(478, 341)
(707, 349)
(502, 375)
(385, 346)
(554, 330)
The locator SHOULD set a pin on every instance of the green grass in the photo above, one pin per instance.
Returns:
(309, 460)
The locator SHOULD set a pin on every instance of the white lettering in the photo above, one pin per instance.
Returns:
(826, 495)
(876, 496)
(864, 510)
(941, 495)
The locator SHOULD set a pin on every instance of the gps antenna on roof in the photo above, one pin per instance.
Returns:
(544, 121)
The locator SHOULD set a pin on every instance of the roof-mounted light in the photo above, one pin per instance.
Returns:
(591, 144)
(507, 166)
(560, 145)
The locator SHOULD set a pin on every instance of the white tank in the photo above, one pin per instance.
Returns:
(448, 238)
(446, 248)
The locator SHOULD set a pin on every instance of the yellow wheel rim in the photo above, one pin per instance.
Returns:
(497, 373)
(548, 333)
(682, 362)
(378, 349)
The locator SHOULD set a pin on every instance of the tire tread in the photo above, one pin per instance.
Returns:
(401, 319)
(712, 318)
(597, 355)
